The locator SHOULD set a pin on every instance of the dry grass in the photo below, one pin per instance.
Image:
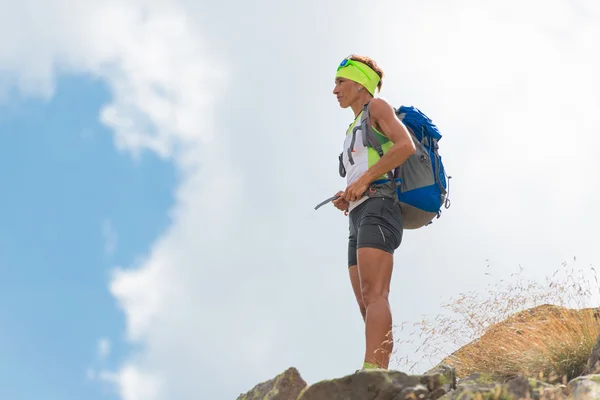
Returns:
(544, 330)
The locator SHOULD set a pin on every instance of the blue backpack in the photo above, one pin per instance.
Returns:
(420, 182)
(423, 188)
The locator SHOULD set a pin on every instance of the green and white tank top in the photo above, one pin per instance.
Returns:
(363, 156)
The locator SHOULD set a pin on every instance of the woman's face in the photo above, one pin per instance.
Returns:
(346, 91)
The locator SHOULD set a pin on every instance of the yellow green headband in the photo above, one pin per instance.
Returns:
(358, 72)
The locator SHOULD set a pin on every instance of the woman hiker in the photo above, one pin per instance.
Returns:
(375, 222)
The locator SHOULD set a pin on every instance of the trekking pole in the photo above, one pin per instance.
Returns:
(332, 198)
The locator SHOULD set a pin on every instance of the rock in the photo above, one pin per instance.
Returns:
(479, 393)
(439, 383)
(376, 384)
(418, 392)
(472, 385)
(285, 386)
(552, 393)
(593, 364)
(484, 387)
(585, 387)
(382, 384)
(520, 387)
(439, 380)
(477, 378)
(546, 391)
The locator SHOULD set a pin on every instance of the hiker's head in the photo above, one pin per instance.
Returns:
(357, 76)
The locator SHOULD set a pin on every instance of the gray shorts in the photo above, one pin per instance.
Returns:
(375, 223)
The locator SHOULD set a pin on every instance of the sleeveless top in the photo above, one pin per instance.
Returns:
(363, 156)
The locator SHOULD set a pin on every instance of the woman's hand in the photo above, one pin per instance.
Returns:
(356, 190)
(340, 203)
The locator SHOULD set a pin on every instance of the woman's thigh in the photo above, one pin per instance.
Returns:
(379, 225)
(375, 271)
(378, 234)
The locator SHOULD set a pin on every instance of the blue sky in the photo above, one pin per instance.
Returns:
(62, 181)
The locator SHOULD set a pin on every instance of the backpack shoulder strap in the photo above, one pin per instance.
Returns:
(368, 135)
(369, 138)
(353, 141)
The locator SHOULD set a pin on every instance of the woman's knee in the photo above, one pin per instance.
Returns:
(374, 293)
(375, 274)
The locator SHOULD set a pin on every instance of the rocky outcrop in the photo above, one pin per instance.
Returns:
(384, 385)
(287, 385)
(439, 383)
(375, 384)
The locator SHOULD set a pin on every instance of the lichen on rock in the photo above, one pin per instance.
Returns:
(286, 386)
(585, 387)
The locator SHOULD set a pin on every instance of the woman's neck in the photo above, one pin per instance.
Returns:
(360, 102)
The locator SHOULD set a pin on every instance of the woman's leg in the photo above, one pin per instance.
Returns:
(355, 280)
(352, 264)
(379, 234)
(375, 271)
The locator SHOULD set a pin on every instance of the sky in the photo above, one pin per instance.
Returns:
(161, 162)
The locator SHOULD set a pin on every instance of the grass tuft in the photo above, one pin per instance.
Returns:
(541, 330)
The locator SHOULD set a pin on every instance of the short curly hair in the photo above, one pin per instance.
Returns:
(372, 64)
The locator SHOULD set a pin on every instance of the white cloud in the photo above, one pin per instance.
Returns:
(248, 279)
(131, 383)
